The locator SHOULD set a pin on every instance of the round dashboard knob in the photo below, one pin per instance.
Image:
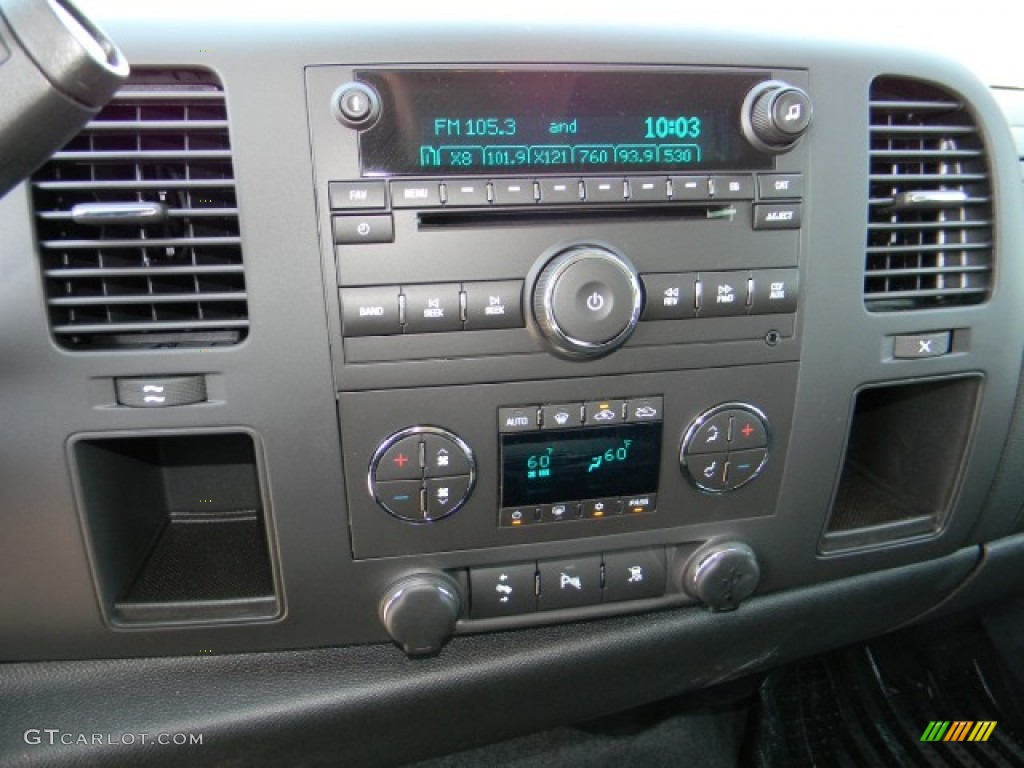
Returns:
(776, 115)
(420, 611)
(587, 301)
(722, 575)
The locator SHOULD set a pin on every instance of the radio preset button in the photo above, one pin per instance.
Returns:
(513, 192)
(669, 296)
(775, 290)
(555, 191)
(732, 187)
(723, 294)
(351, 195)
(603, 412)
(648, 189)
(517, 419)
(778, 215)
(687, 188)
(495, 304)
(466, 192)
(356, 230)
(561, 416)
(605, 190)
(370, 311)
(432, 308)
(569, 583)
(415, 194)
(771, 186)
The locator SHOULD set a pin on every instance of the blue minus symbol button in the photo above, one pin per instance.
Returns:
(744, 466)
(401, 498)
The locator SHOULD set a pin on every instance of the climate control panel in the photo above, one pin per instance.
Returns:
(422, 474)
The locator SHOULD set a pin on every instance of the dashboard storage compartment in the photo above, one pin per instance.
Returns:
(907, 449)
(176, 527)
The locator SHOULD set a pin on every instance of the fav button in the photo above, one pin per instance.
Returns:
(347, 195)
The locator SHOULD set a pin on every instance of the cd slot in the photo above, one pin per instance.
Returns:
(463, 219)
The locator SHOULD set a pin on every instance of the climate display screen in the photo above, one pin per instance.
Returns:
(568, 464)
(494, 122)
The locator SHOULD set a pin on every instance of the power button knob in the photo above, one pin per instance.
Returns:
(587, 301)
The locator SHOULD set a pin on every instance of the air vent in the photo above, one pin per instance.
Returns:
(137, 221)
(930, 209)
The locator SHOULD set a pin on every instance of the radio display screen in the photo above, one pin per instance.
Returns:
(493, 122)
(574, 464)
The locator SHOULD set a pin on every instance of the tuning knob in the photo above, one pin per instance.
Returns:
(722, 575)
(776, 115)
(587, 301)
(420, 611)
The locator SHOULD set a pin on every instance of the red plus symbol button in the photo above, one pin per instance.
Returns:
(747, 430)
(401, 460)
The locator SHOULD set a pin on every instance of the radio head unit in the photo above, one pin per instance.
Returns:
(493, 121)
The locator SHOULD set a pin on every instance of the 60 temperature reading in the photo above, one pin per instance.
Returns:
(611, 455)
(539, 465)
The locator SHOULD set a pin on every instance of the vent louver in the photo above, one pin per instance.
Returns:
(930, 226)
(137, 221)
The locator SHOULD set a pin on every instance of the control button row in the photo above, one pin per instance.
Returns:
(680, 296)
(389, 310)
(594, 413)
(421, 474)
(719, 472)
(569, 583)
(373, 195)
(590, 509)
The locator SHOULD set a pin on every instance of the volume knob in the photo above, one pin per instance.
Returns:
(776, 115)
(587, 301)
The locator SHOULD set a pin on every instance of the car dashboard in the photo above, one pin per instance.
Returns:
(375, 390)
